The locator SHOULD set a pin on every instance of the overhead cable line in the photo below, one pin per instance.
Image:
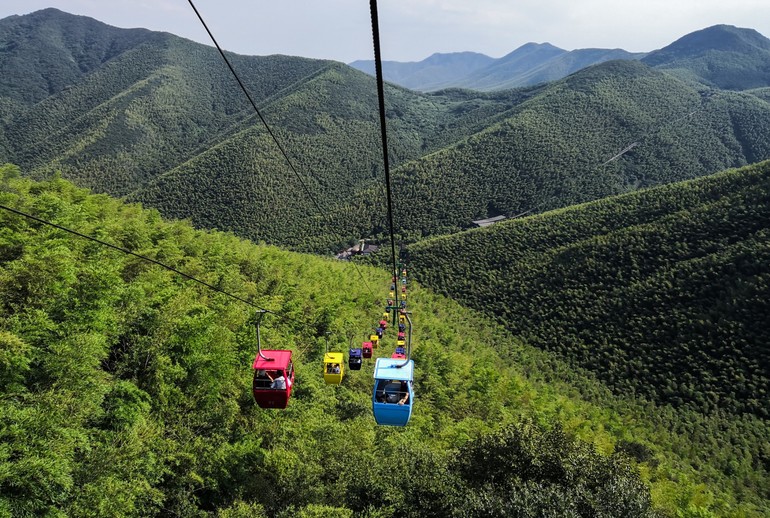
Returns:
(383, 133)
(275, 139)
(143, 257)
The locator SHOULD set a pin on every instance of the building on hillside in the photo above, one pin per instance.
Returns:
(360, 249)
(488, 221)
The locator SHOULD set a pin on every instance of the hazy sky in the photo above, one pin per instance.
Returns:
(412, 30)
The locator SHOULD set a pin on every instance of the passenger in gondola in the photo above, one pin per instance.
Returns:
(336, 368)
(279, 382)
(392, 396)
(404, 393)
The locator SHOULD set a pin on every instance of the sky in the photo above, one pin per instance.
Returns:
(412, 30)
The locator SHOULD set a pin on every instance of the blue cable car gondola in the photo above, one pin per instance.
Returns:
(393, 394)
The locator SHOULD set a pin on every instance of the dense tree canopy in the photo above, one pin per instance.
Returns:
(126, 390)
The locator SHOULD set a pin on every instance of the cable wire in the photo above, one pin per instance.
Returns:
(140, 256)
(383, 133)
(272, 135)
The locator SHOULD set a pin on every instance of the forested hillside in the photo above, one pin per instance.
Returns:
(44, 52)
(127, 390)
(564, 146)
(162, 122)
(663, 293)
(329, 127)
(722, 56)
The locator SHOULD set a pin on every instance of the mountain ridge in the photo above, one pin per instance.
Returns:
(688, 57)
(162, 114)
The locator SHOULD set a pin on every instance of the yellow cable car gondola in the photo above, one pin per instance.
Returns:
(334, 367)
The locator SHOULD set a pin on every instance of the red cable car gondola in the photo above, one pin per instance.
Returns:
(273, 375)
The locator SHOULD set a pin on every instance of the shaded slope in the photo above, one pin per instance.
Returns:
(662, 293)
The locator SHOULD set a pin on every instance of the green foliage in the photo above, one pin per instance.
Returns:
(662, 293)
(132, 388)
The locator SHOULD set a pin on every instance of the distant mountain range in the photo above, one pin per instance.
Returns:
(722, 55)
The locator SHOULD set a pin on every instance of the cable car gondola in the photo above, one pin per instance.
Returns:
(393, 393)
(366, 349)
(355, 359)
(273, 375)
(334, 367)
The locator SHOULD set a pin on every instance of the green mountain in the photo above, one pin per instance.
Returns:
(159, 115)
(722, 56)
(608, 129)
(662, 293)
(163, 123)
(127, 390)
(44, 52)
